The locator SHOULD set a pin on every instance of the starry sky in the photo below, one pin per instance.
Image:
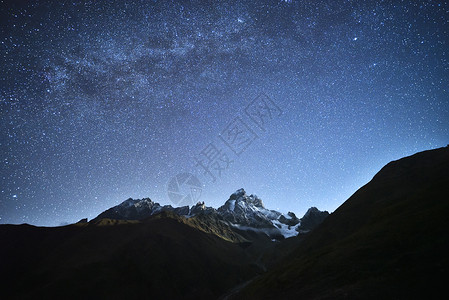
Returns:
(299, 102)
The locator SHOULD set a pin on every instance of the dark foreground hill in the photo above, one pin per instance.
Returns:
(390, 240)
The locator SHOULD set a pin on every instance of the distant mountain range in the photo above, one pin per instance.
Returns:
(240, 211)
(387, 241)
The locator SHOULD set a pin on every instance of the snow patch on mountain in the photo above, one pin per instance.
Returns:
(286, 230)
(232, 205)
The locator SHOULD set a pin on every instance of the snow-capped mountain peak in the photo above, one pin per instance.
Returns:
(249, 211)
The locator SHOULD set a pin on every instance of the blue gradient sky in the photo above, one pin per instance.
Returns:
(106, 100)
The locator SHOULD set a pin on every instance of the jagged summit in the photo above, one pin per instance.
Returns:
(243, 210)
(139, 209)
(311, 210)
(240, 198)
(238, 193)
(312, 218)
(137, 203)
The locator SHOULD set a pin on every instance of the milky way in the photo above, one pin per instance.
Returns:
(106, 100)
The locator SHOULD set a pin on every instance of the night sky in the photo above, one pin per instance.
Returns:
(299, 102)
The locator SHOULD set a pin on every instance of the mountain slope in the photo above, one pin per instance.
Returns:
(388, 240)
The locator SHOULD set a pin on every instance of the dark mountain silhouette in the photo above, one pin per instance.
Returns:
(312, 219)
(390, 240)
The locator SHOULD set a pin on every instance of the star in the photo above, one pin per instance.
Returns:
(102, 101)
